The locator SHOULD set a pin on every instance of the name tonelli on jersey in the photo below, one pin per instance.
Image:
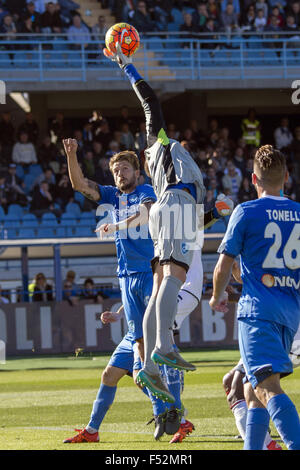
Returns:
(282, 215)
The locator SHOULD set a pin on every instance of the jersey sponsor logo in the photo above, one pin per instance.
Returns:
(269, 280)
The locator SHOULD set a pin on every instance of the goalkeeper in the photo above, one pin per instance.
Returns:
(178, 185)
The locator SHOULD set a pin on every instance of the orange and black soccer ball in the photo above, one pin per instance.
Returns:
(126, 35)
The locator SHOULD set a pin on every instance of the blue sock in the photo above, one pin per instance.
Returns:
(256, 428)
(104, 400)
(158, 405)
(174, 381)
(286, 419)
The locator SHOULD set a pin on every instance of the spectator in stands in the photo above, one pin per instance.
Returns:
(295, 149)
(7, 136)
(9, 30)
(280, 19)
(15, 186)
(40, 5)
(273, 27)
(113, 148)
(248, 169)
(99, 30)
(68, 9)
(248, 21)
(47, 152)
(63, 192)
(140, 137)
(97, 149)
(188, 27)
(229, 19)
(251, 128)
(30, 126)
(200, 16)
(293, 33)
(294, 10)
(161, 12)
(239, 158)
(30, 12)
(3, 299)
(59, 128)
(234, 3)
(42, 291)
(232, 180)
(210, 28)
(4, 192)
(290, 189)
(213, 11)
(42, 200)
(16, 8)
(104, 135)
(63, 170)
(88, 164)
(103, 174)
(246, 191)
(260, 20)
(141, 18)
(47, 176)
(282, 135)
(78, 34)
(209, 200)
(23, 152)
(87, 134)
(262, 5)
(70, 279)
(89, 291)
(127, 139)
(50, 20)
(27, 28)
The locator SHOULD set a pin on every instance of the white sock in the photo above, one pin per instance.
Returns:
(240, 410)
(91, 430)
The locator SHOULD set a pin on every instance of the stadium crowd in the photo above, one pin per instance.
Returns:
(41, 17)
(226, 164)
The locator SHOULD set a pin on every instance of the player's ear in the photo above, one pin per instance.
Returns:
(286, 177)
(254, 179)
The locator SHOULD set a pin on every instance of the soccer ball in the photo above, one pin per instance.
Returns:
(126, 35)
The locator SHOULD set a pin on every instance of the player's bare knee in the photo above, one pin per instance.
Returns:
(227, 380)
(109, 378)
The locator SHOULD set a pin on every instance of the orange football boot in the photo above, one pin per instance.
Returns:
(82, 436)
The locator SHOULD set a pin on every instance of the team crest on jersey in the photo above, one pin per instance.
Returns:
(184, 248)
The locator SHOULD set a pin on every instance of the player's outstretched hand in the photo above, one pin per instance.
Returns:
(106, 230)
(224, 205)
(109, 317)
(220, 305)
(118, 56)
(70, 146)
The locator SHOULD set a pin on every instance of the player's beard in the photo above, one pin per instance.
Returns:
(128, 185)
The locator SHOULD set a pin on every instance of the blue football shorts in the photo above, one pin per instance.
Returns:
(264, 348)
(126, 356)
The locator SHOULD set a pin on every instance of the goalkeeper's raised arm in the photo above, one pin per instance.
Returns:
(155, 125)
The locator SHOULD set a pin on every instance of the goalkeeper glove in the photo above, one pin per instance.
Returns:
(118, 56)
(223, 206)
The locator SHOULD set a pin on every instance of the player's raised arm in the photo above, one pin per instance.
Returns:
(79, 183)
(155, 125)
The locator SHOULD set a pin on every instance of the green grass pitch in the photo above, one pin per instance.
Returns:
(43, 399)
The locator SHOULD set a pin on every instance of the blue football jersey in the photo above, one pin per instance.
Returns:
(134, 246)
(266, 233)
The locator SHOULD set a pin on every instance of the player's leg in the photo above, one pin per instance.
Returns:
(265, 348)
(233, 386)
(150, 376)
(175, 254)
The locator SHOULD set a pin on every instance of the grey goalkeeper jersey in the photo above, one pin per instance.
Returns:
(169, 163)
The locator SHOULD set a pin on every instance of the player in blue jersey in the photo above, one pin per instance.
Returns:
(265, 233)
(129, 204)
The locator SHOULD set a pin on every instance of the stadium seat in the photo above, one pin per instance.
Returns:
(73, 209)
(49, 220)
(60, 232)
(11, 221)
(5, 61)
(2, 213)
(35, 170)
(28, 181)
(45, 232)
(25, 232)
(84, 232)
(270, 58)
(79, 198)
(87, 218)
(177, 16)
(154, 43)
(29, 220)
(173, 27)
(14, 210)
(75, 60)
(8, 233)
(218, 227)
(67, 219)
